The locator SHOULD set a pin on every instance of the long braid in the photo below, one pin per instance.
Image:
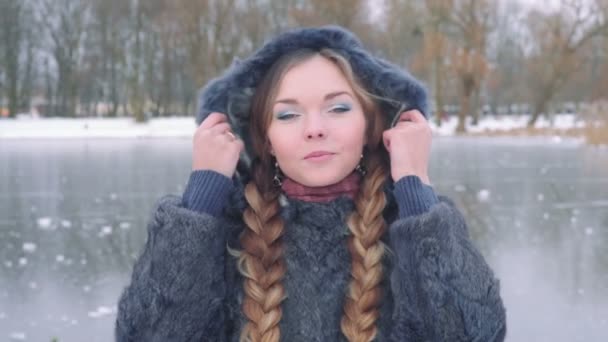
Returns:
(262, 265)
(367, 226)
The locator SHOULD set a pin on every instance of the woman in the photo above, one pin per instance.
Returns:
(309, 214)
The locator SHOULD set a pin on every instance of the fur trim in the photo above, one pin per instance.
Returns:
(231, 92)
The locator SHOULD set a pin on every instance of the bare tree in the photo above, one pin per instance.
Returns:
(135, 79)
(472, 19)
(346, 13)
(65, 22)
(319, 12)
(105, 52)
(400, 33)
(436, 44)
(559, 38)
(13, 25)
(506, 55)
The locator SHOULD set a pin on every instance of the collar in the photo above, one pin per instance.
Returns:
(349, 186)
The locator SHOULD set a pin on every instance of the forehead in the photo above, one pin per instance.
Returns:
(312, 79)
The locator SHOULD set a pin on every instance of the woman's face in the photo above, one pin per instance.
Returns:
(316, 113)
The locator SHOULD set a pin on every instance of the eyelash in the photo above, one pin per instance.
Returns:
(285, 116)
(341, 108)
(336, 109)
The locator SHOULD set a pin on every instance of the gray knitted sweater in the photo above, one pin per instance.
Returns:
(186, 287)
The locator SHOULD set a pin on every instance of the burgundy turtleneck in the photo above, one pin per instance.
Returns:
(348, 186)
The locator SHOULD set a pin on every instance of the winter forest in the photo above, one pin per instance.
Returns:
(144, 59)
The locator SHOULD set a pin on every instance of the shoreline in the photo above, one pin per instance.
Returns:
(562, 127)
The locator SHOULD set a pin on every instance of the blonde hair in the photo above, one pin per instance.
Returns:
(261, 260)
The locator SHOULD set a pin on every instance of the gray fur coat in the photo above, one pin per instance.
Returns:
(185, 286)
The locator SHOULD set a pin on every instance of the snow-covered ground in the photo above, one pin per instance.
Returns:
(508, 122)
(185, 126)
(96, 128)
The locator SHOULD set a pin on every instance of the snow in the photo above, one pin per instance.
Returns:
(102, 311)
(186, 126)
(96, 128)
(44, 223)
(106, 230)
(460, 188)
(29, 247)
(506, 122)
(483, 195)
(18, 336)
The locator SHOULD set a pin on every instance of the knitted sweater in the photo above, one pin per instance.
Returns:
(186, 287)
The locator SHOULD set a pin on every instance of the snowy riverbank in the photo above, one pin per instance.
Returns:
(185, 126)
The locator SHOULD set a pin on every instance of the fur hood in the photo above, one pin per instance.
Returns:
(231, 93)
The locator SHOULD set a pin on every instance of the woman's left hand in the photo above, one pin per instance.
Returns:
(409, 146)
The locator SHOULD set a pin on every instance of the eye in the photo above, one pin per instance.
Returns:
(286, 115)
(340, 108)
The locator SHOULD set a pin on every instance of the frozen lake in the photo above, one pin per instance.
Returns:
(73, 217)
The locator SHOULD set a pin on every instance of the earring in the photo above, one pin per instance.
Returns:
(276, 180)
(360, 168)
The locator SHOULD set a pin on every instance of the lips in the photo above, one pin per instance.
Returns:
(317, 154)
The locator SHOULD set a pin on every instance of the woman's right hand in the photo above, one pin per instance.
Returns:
(214, 148)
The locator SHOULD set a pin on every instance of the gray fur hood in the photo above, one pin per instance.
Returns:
(231, 92)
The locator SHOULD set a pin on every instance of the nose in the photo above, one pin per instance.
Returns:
(315, 128)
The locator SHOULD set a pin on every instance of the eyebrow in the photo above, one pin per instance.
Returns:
(327, 97)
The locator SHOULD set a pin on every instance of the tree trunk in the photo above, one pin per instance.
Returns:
(49, 93)
(539, 108)
(137, 99)
(465, 106)
(462, 114)
(11, 35)
(438, 91)
(475, 107)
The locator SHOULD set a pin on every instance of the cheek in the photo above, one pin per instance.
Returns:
(282, 141)
(353, 135)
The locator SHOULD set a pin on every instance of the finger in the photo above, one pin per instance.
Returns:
(234, 148)
(220, 128)
(240, 144)
(213, 119)
(404, 123)
(415, 115)
(231, 136)
(386, 139)
(410, 116)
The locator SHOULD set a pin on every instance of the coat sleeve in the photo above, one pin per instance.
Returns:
(177, 286)
(443, 289)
